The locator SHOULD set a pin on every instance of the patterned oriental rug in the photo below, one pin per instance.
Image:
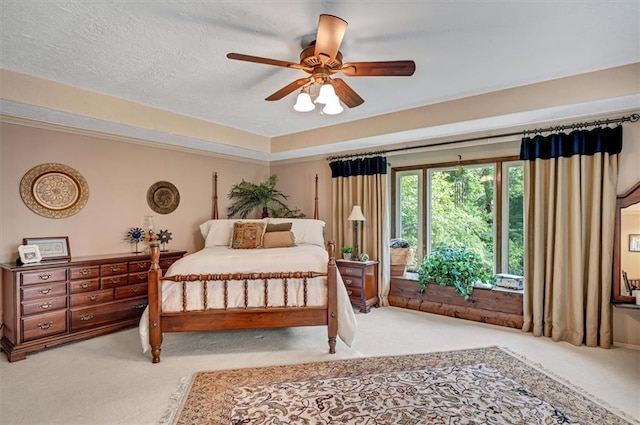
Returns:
(478, 386)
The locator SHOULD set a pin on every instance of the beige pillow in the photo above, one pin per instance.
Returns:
(247, 235)
(281, 239)
(278, 227)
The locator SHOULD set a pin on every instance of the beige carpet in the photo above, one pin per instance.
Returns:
(477, 386)
(109, 381)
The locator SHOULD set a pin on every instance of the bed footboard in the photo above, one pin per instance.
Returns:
(243, 317)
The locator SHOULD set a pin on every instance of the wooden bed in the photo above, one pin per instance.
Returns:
(246, 316)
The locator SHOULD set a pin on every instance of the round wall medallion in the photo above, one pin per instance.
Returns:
(163, 197)
(54, 190)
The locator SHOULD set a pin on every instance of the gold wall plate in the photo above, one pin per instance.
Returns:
(163, 197)
(54, 190)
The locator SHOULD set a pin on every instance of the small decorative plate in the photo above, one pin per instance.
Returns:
(163, 197)
(54, 190)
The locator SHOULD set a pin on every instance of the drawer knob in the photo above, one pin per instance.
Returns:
(349, 292)
(348, 281)
(115, 280)
(115, 268)
(141, 265)
(139, 306)
(46, 325)
(84, 285)
(141, 277)
(86, 317)
(45, 306)
(135, 289)
(44, 290)
(44, 276)
(85, 272)
(92, 297)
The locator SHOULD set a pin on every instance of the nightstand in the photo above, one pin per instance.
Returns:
(361, 280)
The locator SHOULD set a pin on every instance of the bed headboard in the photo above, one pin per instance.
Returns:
(214, 212)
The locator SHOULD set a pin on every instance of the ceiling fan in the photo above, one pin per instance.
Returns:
(322, 59)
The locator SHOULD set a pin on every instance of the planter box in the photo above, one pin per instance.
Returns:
(498, 307)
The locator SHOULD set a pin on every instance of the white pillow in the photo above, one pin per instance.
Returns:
(219, 232)
(306, 231)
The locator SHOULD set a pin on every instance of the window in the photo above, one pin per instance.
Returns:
(478, 204)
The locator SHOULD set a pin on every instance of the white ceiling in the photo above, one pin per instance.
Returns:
(171, 55)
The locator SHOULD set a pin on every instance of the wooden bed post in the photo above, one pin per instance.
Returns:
(332, 297)
(214, 212)
(316, 215)
(155, 302)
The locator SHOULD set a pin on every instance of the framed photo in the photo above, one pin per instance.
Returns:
(634, 243)
(51, 248)
(29, 254)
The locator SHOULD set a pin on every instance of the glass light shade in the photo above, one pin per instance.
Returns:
(148, 225)
(304, 103)
(356, 214)
(326, 94)
(333, 107)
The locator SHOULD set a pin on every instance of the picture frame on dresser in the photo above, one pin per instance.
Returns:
(29, 254)
(52, 248)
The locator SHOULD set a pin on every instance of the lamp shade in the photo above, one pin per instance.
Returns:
(356, 214)
(333, 107)
(304, 103)
(326, 94)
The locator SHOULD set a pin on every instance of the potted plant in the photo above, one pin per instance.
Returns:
(347, 252)
(455, 266)
(248, 196)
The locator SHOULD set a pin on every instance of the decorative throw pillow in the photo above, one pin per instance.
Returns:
(306, 231)
(278, 227)
(247, 235)
(280, 239)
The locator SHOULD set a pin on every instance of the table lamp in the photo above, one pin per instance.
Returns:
(356, 216)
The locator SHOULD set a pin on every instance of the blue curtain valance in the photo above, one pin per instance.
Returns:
(578, 142)
(359, 167)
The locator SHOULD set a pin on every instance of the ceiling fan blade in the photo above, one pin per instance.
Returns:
(266, 61)
(346, 94)
(331, 30)
(289, 88)
(379, 69)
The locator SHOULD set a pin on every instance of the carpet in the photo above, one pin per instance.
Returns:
(476, 386)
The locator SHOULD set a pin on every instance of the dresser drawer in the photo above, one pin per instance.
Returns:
(78, 286)
(43, 292)
(352, 282)
(42, 306)
(91, 298)
(42, 325)
(89, 317)
(350, 271)
(44, 276)
(166, 262)
(139, 266)
(355, 294)
(138, 278)
(114, 269)
(88, 272)
(113, 281)
(131, 291)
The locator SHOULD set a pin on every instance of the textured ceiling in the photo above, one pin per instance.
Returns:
(171, 55)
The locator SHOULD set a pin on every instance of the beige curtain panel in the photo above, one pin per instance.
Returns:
(570, 198)
(363, 182)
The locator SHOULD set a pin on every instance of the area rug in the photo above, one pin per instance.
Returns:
(477, 386)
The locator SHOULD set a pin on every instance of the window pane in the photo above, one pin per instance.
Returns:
(408, 197)
(462, 209)
(515, 189)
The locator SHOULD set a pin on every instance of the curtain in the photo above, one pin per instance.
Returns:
(363, 181)
(570, 198)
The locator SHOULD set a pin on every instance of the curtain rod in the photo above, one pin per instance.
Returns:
(574, 126)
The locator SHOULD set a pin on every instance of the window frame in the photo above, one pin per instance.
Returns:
(500, 193)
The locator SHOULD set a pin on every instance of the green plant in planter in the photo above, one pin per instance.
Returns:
(455, 266)
(248, 196)
(347, 251)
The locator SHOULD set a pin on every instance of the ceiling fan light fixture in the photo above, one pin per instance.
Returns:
(304, 103)
(327, 94)
(333, 107)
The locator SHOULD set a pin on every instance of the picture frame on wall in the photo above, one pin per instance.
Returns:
(55, 248)
(29, 254)
(634, 243)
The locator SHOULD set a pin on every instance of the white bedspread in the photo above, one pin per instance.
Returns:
(226, 260)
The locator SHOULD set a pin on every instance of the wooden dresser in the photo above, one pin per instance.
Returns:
(48, 304)
(361, 280)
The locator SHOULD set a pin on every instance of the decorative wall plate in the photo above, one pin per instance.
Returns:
(54, 190)
(163, 197)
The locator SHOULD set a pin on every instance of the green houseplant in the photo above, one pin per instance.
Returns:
(456, 266)
(347, 251)
(247, 196)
